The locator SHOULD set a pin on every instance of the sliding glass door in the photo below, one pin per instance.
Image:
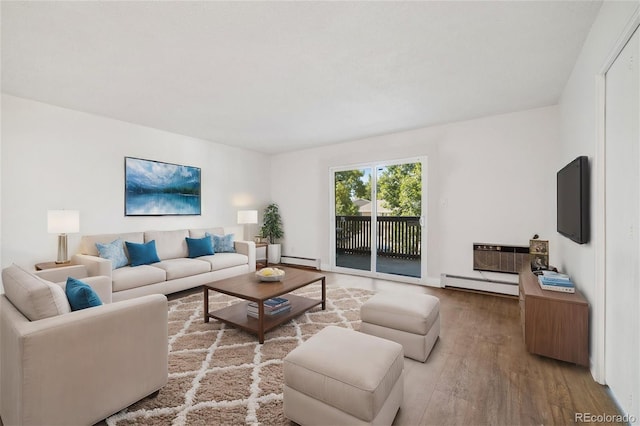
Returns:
(377, 218)
(353, 231)
(398, 219)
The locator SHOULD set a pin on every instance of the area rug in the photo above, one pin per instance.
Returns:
(220, 375)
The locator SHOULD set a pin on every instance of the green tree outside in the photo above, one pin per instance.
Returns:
(349, 185)
(400, 188)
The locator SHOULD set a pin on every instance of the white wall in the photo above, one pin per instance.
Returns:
(489, 180)
(56, 158)
(578, 109)
(1, 238)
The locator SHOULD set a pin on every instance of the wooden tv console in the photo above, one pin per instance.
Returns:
(555, 324)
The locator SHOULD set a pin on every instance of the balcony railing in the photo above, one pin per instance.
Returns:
(397, 236)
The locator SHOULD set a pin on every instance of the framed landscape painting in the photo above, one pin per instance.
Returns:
(154, 188)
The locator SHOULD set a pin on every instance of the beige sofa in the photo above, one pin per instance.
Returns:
(76, 368)
(175, 271)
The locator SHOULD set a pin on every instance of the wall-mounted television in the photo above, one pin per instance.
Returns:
(573, 200)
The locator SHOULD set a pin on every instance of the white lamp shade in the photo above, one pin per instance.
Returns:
(247, 216)
(63, 221)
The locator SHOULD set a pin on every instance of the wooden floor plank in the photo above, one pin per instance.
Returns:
(480, 372)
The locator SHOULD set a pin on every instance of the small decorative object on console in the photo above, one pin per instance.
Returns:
(270, 274)
(539, 254)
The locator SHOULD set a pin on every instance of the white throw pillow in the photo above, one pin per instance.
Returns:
(59, 297)
(34, 297)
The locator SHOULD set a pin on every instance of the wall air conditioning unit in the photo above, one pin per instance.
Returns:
(499, 258)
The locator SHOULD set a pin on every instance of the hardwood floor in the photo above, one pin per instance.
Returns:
(479, 372)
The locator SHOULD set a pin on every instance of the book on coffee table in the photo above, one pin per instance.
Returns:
(253, 312)
(273, 303)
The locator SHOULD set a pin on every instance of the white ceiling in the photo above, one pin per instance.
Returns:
(280, 76)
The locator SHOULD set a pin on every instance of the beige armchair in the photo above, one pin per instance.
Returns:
(78, 368)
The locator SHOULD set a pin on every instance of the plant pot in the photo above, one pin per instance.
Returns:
(274, 253)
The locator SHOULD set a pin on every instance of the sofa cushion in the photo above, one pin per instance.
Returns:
(88, 242)
(202, 232)
(170, 244)
(200, 247)
(184, 267)
(225, 260)
(59, 297)
(34, 297)
(114, 251)
(223, 243)
(142, 254)
(138, 276)
(81, 295)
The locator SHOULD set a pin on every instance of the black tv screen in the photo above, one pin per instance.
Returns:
(573, 200)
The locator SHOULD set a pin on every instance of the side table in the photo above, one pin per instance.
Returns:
(555, 324)
(262, 263)
(50, 265)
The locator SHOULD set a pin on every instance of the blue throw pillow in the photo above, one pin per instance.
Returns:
(199, 246)
(81, 295)
(142, 254)
(114, 251)
(222, 243)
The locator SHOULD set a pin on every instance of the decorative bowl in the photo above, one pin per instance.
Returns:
(270, 274)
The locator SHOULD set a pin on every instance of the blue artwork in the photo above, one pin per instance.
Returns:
(153, 188)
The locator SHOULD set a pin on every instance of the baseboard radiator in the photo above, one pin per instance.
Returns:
(300, 261)
(479, 284)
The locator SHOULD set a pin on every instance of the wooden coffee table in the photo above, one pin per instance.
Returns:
(251, 289)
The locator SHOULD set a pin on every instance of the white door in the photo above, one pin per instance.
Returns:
(622, 211)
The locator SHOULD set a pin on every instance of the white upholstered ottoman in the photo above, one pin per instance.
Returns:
(413, 320)
(343, 377)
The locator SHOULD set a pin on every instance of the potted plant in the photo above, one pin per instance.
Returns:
(272, 231)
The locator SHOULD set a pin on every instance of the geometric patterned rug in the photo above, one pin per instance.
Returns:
(220, 375)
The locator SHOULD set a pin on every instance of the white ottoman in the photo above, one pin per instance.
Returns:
(343, 377)
(413, 320)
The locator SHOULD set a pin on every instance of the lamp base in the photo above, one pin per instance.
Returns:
(62, 249)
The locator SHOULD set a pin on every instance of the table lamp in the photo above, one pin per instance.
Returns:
(247, 217)
(63, 222)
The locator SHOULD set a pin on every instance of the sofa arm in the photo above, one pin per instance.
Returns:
(56, 369)
(95, 265)
(248, 248)
(57, 275)
(100, 284)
